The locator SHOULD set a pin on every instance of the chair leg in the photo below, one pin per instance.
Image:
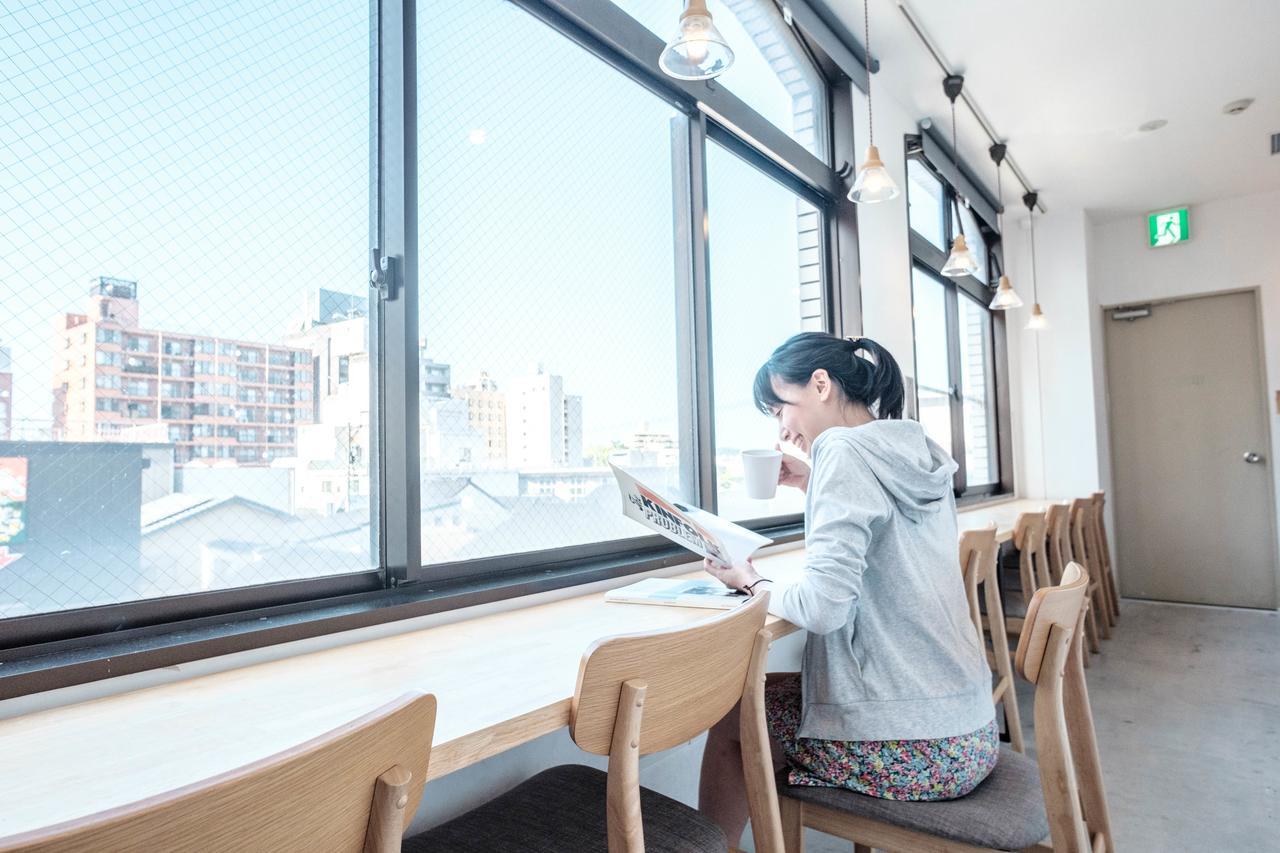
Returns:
(1101, 610)
(1108, 606)
(792, 824)
(1115, 594)
(1091, 629)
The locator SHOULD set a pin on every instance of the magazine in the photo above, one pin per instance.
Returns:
(681, 592)
(701, 532)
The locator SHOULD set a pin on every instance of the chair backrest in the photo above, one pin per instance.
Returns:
(1051, 607)
(1050, 655)
(1082, 545)
(350, 790)
(1030, 533)
(694, 676)
(642, 693)
(978, 553)
(1058, 525)
(978, 559)
(1096, 539)
(1100, 506)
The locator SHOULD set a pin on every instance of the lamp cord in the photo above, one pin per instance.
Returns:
(866, 56)
(955, 161)
(1035, 289)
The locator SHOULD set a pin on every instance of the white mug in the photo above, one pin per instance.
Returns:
(761, 468)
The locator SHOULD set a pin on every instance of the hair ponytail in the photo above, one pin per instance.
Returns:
(865, 371)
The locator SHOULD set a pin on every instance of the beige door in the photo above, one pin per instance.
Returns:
(1190, 453)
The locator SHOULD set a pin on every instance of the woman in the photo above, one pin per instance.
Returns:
(894, 696)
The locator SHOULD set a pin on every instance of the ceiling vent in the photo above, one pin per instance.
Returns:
(1275, 143)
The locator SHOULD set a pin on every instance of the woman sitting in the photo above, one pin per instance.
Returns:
(894, 696)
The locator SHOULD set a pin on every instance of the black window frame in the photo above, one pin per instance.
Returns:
(928, 258)
(67, 647)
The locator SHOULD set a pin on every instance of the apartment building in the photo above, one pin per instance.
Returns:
(217, 398)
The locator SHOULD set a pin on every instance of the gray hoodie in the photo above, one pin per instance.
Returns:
(891, 653)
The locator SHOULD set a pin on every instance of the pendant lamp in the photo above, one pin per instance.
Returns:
(697, 51)
(1037, 321)
(960, 262)
(1006, 297)
(873, 183)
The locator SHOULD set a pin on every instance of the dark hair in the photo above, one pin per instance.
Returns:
(864, 371)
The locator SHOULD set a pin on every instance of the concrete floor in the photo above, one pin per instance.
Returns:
(1186, 702)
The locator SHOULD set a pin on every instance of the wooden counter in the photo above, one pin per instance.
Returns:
(501, 680)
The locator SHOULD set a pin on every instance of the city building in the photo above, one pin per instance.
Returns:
(324, 307)
(433, 376)
(487, 414)
(219, 398)
(544, 425)
(6, 394)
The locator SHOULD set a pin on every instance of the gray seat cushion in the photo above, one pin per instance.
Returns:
(562, 810)
(1006, 811)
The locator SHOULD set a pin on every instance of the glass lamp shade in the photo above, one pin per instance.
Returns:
(960, 261)
(874, 182)
(697, 51)
(1006, 297)
(1037, 321)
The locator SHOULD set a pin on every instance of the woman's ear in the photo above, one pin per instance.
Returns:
(821, 382)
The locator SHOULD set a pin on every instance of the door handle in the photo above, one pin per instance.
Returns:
(1253, 457)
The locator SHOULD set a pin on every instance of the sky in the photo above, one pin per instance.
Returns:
(218, 153)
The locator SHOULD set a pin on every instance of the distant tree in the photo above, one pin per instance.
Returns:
(598, 456)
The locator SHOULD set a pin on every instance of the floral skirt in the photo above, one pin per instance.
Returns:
(936, 769)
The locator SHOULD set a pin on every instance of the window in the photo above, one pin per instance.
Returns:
(926, 204)
(956, 379)
(559, 305)
(934, 387)
(772, 71)
(139, 146)
(766, 285)
(959, 379)
(578, 394)
(977, 387)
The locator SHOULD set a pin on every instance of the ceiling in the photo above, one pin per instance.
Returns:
(1066, 85)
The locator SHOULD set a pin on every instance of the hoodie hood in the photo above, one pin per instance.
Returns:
(912, 468)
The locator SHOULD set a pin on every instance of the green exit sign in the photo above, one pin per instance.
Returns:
(1168, 227)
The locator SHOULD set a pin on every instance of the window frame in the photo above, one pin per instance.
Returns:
(67, 647)
(930, 259)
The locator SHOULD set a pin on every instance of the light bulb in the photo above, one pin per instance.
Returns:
(960, 261)
(697, 51)
(1006, 297)
(1037, 322)
(874, 183)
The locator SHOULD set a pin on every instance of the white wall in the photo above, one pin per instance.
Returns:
(884, 254)
(1054, 390)
(1233, 247)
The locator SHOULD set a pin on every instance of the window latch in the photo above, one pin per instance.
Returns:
(383, 274)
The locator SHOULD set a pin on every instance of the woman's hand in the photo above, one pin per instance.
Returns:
(794, 472)
(734, 577)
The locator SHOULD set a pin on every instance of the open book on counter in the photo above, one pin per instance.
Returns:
(703, 533)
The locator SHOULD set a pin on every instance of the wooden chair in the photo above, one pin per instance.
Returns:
(1022, 801)
(1104, 549)
(1061, 553)
(1030, 534)
(1096, 623)
(978, 553)
(350, 790)
(638, 694)
(1097, 562)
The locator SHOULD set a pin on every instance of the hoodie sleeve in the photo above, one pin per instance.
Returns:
(845, 501)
